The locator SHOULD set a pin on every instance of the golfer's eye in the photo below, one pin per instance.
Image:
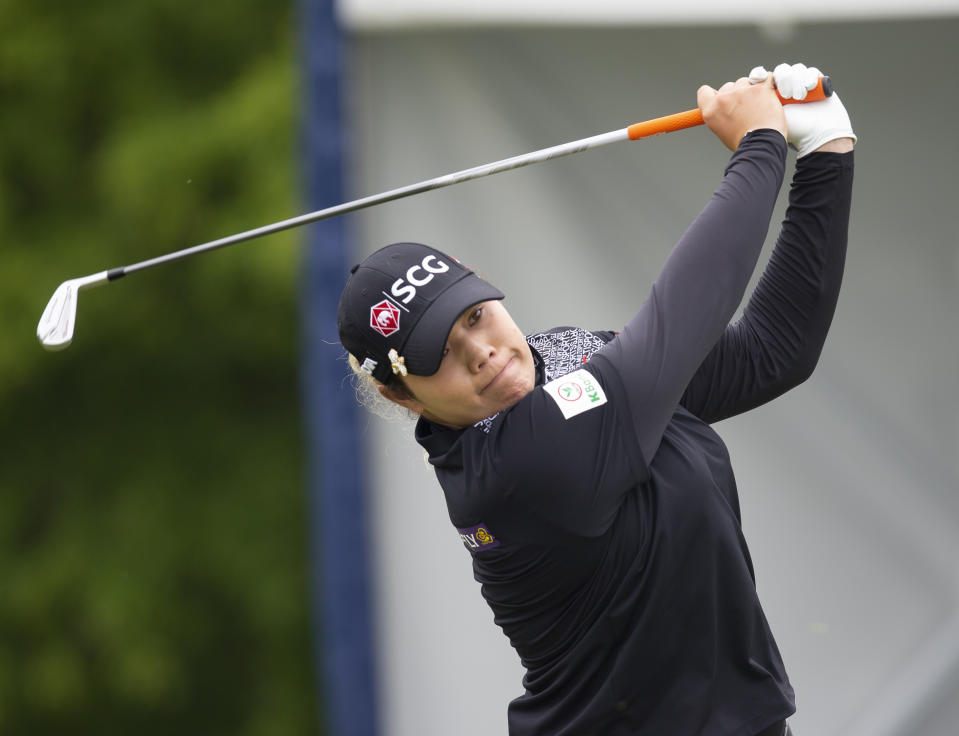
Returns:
(475, 316)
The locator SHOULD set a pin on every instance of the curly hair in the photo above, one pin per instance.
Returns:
(367, 391)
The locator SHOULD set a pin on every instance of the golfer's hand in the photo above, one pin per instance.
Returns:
(739, 107)
(812, 126)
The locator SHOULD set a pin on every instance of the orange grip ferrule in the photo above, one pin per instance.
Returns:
(692, 118)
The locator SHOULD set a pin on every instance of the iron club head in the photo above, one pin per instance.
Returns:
(55, 329)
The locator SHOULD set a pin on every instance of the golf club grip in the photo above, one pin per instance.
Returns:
(692, 118)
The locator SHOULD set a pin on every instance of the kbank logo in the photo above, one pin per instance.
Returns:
(575, 393)
(570, 391)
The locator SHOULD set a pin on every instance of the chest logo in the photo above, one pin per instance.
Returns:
(477, 538)
(575, 393)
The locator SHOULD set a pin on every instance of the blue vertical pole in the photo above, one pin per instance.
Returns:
(340, 585)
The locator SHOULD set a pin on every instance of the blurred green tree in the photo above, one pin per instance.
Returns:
(152, 511)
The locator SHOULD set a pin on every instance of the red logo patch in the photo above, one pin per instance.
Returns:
(384, 318)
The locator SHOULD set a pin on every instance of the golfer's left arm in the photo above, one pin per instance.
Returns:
(777, 343)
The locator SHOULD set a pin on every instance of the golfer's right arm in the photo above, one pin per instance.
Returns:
(573, 472)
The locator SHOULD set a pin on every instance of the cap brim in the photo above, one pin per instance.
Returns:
(424, 347)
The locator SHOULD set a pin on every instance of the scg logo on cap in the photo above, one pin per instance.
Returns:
(406, 291)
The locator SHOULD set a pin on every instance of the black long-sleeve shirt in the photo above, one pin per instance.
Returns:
(601, 510)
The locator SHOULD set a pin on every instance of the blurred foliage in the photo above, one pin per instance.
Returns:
(152, 513)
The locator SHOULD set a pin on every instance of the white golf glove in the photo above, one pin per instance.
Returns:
(811, 124)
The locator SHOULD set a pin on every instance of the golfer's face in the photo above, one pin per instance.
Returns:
(487, 366)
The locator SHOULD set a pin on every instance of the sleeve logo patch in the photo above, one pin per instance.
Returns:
(478, 538)
(575, 393)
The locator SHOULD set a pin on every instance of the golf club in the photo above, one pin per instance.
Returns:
(56, 326)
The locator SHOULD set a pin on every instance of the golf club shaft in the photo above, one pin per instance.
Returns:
(439, 182)
(667, 124)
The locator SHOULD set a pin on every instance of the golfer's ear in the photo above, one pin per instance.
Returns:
(400, 397)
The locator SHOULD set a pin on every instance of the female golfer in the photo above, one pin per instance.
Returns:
(579, 467)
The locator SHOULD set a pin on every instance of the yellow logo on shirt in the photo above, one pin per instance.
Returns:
(477, 538)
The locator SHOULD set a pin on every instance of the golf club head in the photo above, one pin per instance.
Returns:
(55, 329)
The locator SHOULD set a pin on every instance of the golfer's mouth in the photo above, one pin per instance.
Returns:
(498, 376)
